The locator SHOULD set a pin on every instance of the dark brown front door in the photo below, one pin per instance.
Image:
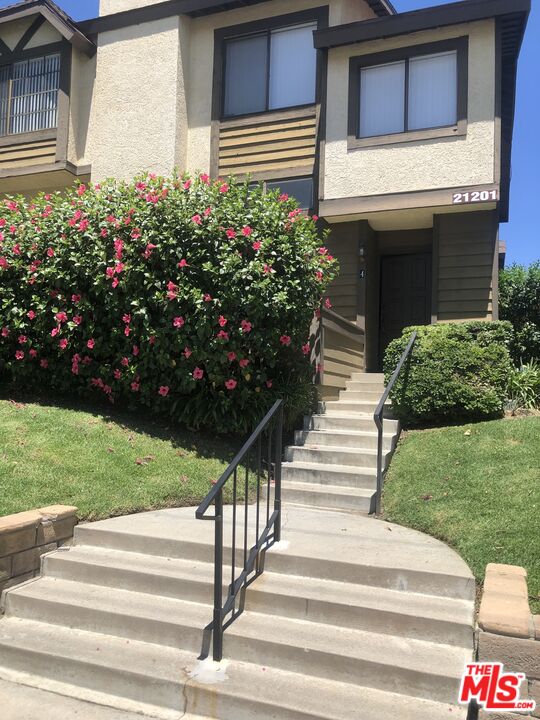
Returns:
(405, 295)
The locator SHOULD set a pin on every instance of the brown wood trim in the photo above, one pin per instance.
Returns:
(357, 63)
(7, 141)
(64, 102)
(440, 197)
(29, 33)
(307, 112)
(4, 49)
(417, 20)
(495, 272)
(75, 170)
(435, 249)
(49, 49)
(304, 171)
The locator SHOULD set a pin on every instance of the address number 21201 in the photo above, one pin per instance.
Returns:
(463, 198)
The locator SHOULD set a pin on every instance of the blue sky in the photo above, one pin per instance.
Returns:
(522, 237)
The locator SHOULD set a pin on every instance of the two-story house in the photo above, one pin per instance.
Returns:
(395, 128)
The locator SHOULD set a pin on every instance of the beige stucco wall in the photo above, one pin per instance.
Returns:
(407, 167)
(137, 116)
(202, 60)
(107, 7)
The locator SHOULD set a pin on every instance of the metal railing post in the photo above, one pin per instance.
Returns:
(218, 580)
(277, 475)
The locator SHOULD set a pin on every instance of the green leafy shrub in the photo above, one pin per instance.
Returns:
(519, 302)
(456, 371)
(188, 297)
(523, 387)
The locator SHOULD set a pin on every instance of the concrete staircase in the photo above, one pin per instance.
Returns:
(353, 619)
(333, 463)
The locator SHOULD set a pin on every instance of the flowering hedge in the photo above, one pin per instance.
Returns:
(189, 297)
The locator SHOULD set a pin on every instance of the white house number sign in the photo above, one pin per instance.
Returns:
(478, 196)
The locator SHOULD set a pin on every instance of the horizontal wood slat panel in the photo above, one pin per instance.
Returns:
(28, 154)
(479, 294)
(261, 147)
(466, 272)
(464, 284)
(461, 249)
(458, 261)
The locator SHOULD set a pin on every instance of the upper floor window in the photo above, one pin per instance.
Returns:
(29, 95)
(270, 70)
(409, 93)
(414, 94)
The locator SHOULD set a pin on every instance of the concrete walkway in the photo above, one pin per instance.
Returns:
(351, 613)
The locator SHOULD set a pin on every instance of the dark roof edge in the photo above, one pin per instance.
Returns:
(67, 27)
(416, 20)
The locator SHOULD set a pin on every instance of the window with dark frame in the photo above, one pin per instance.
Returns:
(270, 70)
(29, 95)
(301, 189)
(413, 93)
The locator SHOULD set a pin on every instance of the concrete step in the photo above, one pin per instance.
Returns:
(337, 475)
(333, 456)
(81, 664)
(344, 421)
(368, 377)
(362, 407)
(405, 666)
(359, 440)
(329, 496)
(363, 607)
(367, 395)
(353, 549)
(368, 386)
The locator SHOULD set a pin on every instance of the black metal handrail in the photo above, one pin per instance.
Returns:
(266, 466)
(379, 417)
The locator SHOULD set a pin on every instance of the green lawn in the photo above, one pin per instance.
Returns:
(477, 487)
(105, 465)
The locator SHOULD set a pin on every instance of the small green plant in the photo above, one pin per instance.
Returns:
(456, 372)
(524, 386)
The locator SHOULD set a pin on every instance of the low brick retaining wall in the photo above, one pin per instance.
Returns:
(26, 536)
(508, 632)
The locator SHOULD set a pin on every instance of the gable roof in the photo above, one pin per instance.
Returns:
(49, 10)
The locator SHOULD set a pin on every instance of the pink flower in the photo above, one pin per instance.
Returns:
(118, 248)
(231, 356)
(77, 319)
(204, 178)
(246, 326)
(3, 262)
(81, 189)
(83, 225)
(283, 198)
(91, 344)
(135, 350)
(44, 363)
(61, 317)
(119, 267)
(117, 374)
(327, 303)
(207, 212)
(187, 185)
(135, 234)
(306, 349)
(124, 362)
(207, 297)
(16, 249)
(179, 322)
(135, 386)
(198, 374)
(243, 363)
(322, 250)
(164, 390)
(126, 318)
(33, 353)
(115, 283)
(187, 353)
(86, 360)
(19, 355)
(224, 188)
(269, 383)
(314, 218)
(50, 252)
(196, 219)
(127, 331)
(222, 321)
(257, 245)
(318, 276)
(75, 299)
(31, 315)
(5, 332)
(231, 384)
(109, 272)
(152, 340)
(63, 344)
(268, 269)
(183, 263)
(55, 331)
(230, 233)
(246, 231)
(285, 340)
(22, 340)
(222, 335)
